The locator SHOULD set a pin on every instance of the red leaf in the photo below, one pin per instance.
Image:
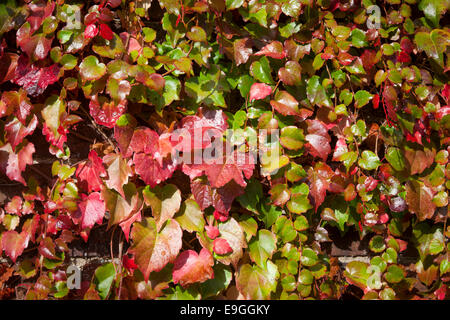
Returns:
(154, 81)
(91, 31)
(154, 250)
(8, 66)
(273, 50)
(123, 133)
(39, 11)
(242, 49)
(402, 56)
(383, 218)
(441, 292)
(319, 178)
(196, 132)
(106, 113)
(223, 197)
(220, 198)
(190, 267)
(13, 164)
(133, 44)
(106, 32)
(30, 226)
(369, 59)
(442, 112)
(118, 172)
(47, 248)
(318, 139)
(370, 183)
(259, 91)
(221, 246)
(36, 46)
(202, 192)
(234, 166)
(144, 140)
(34, 79)
(340, 149)
(220, 216)
(419, 198)
(13, 243)
(285, 104)
(55, 140)
(129, 263)
(92, 209)
(90, 172)
(16, 131)
(376, 101)
(14, 206)
(212, 232)
(345, 58)
(127, 223)
(150, 171)
(406, 45)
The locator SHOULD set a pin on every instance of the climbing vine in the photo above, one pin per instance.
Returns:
(228, 144)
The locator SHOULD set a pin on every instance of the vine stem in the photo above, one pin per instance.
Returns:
(120, 265)
(99, 129)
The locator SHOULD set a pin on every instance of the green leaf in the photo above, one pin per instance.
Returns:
(395, 157)
(390, 255)
(54, 108)
(165, 202)
(61, 289)
(269, 214)
(369, 160)
(261, 71)
(301, 223)
(341, 32)
(394, 274)
(316, 93)
(292, 138)
(308, 258)
(208, 88)
(356, 273)
(191, 216)
(279, 194)
(92, 69)
(256, 283)
(434, 44)
(262, 247)
(284, 228)
(68, 61)
(234, 4)
(433, 9)
(252, 195)
(299, 203)
(220, 282)
(429, 240)
(362, 97)
(346, 97)
(377, 244)
(197, 34)
(295, 172)
(103, 279)
(305, 277)
(149, 34)
(109, 49)
(359, 38)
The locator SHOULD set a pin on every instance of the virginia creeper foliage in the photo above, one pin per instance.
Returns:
(122, 96)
